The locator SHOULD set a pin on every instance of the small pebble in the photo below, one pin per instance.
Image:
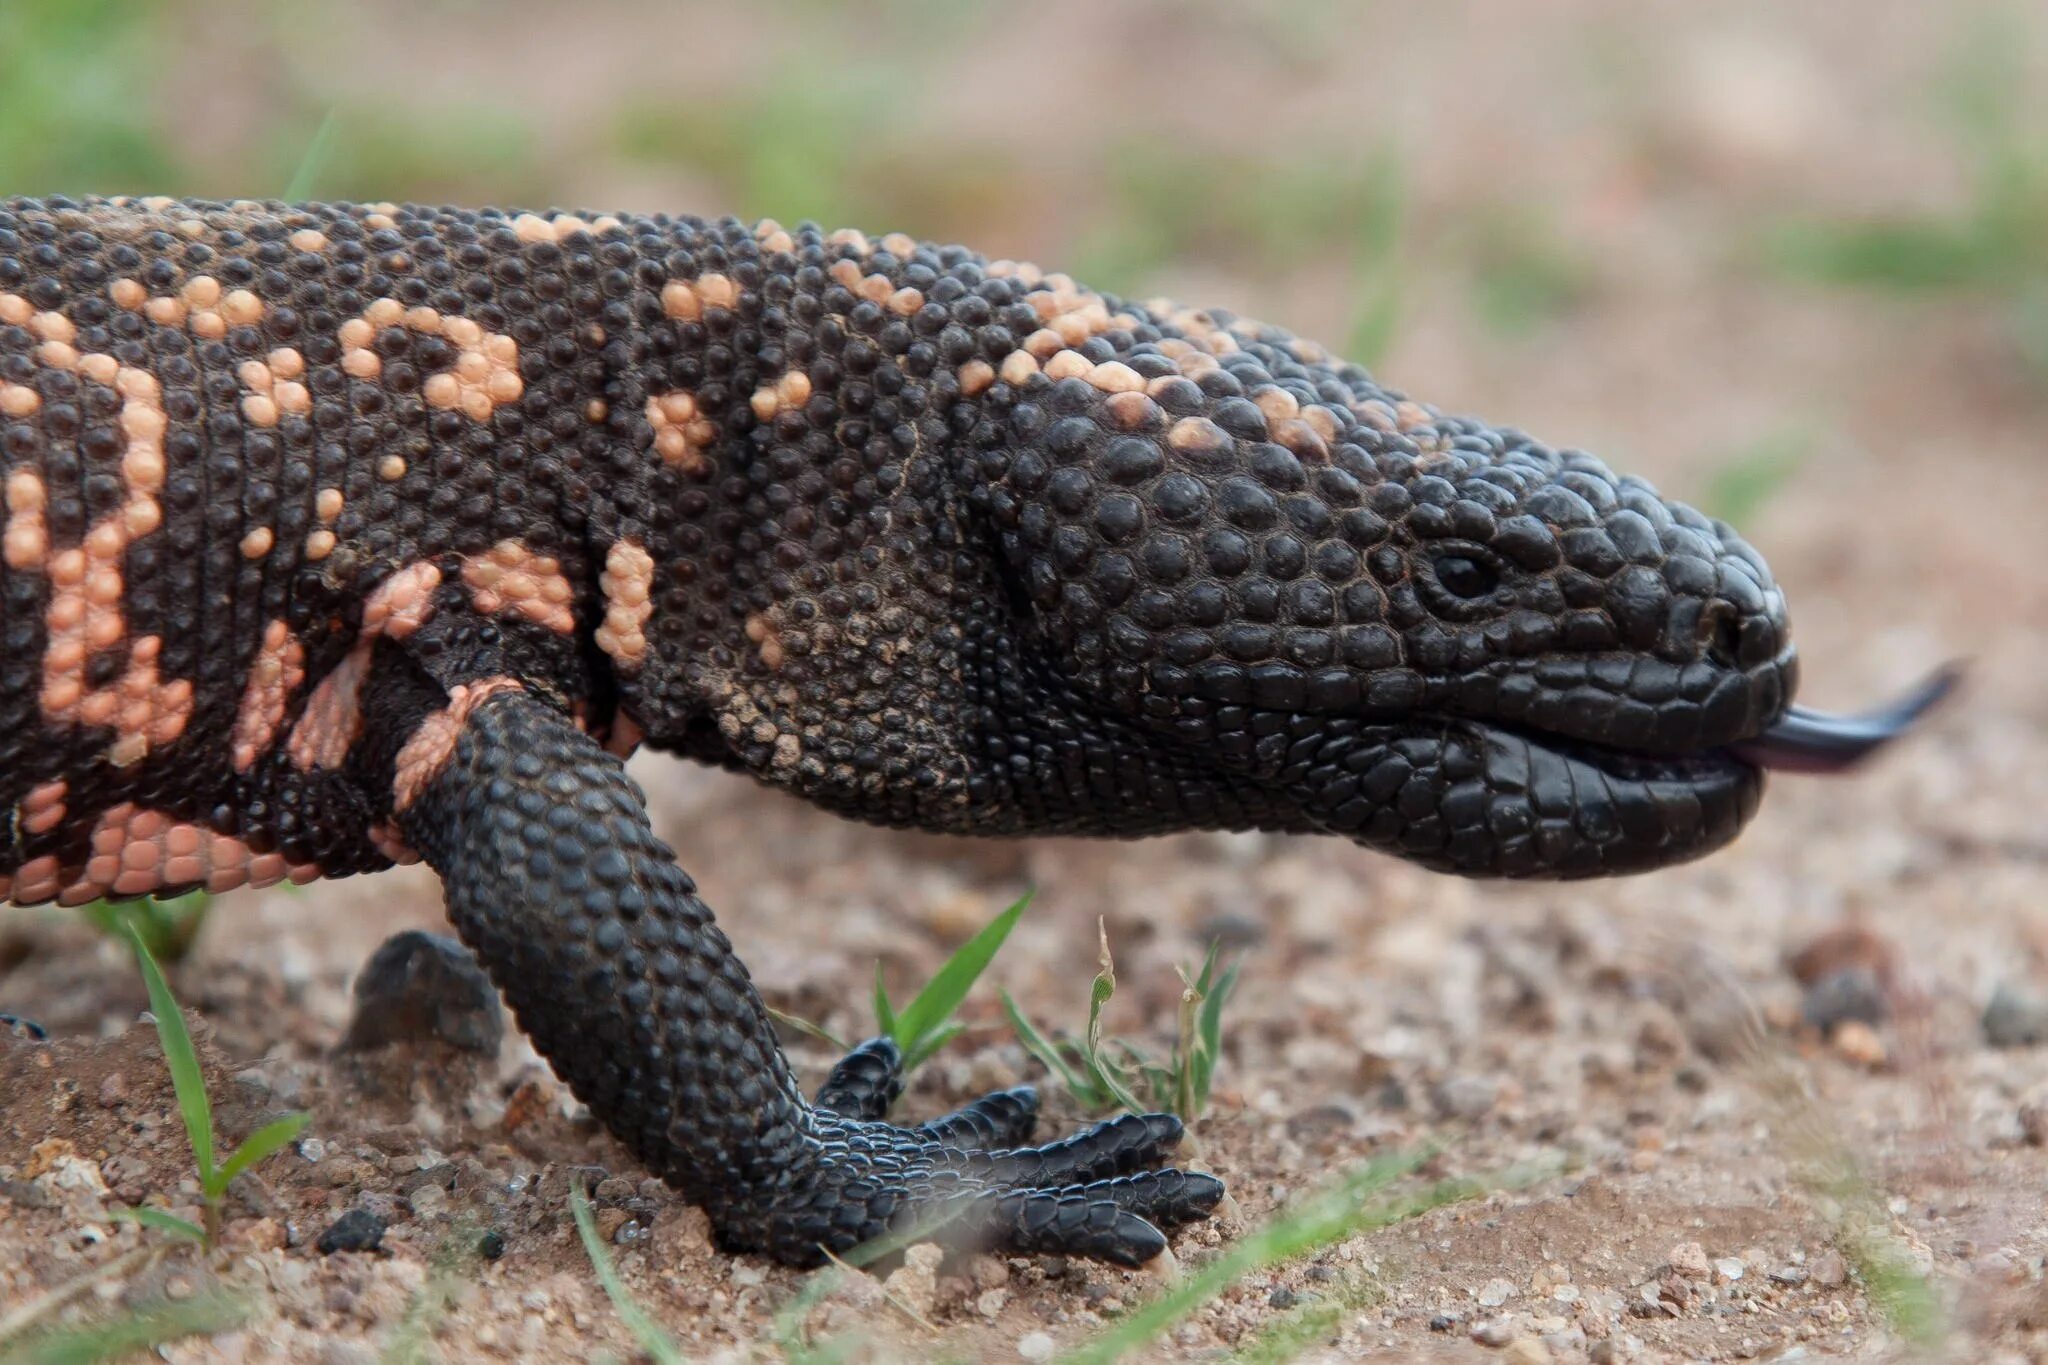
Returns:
(915, 1282)
(1495, 1293)
(1493, 1332)
(2034, 1124)
(1527, 1351)
(1690, 1260)
(1840, 997)
(1829, 1270)
(1035, 1346)
(1442, 1322)
(356, 1230)
(491, 1245)
(1282, 1297)
(1729, 1268)
(1857, 1042)
(420, 986)
(1789, 1275)
(1466, 1097)
(2016, 1017)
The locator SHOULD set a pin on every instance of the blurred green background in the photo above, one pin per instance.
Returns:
(1502, 200)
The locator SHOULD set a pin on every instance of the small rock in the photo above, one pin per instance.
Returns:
(427, 1201)
(1847, 947)
(989, 1303)
(1852, 994)
(1829, 1270)
(425, 986)
(1466, 1097)
(1282, 1297)
(1320, 1120)
(1857, 1042)
(2016, 1017)
(915, 1283)
(1495, 1292)
(1442, 1322)
(1493, 1332)
(2034, 1124)
(1035, 1346)
(22, 1030)
(1527, 1351)
(356, 1230)
(1729, 1269)
(1789, 1275)
(1690, 1260)
(256, 1234)
(491, 1245)
(113, 1090)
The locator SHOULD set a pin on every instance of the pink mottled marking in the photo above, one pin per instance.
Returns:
(433, 744)
(277, 671)
(42, 810)
(512, 578)
(135, 850)
(86, 586)
(628, 584)
(333, 718)
(37, 880)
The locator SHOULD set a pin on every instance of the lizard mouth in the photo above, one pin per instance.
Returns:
(1808, 741)
(1500, 798)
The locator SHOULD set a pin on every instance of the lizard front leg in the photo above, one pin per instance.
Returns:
(618, 973)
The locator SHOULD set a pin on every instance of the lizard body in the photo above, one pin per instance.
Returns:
(340, 535)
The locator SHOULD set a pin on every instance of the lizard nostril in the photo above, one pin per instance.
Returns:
(1723, 632)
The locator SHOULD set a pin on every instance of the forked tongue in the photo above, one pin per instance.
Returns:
(1808, 741)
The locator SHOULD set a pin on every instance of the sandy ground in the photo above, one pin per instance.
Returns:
(1641, 1041)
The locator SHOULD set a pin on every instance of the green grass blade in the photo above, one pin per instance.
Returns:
(160, 1220)
(1350, 1207)
(1318, 1222)
(922, 1052)
(181, 1057)
(948, 987)
(300, 187)
(885, 1016)
(1209, 1032)
(1101, 1070)
(806, 1027)
(1048, 1054)
(143, 1330)
(264, 1142)
(639, 1322)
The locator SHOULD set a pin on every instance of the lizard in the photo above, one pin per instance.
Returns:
(340, 535)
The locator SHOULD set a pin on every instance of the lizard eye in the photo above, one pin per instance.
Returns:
(1459, 581)
(1466, 577)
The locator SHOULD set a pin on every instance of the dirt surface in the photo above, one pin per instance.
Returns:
(1640, 1041)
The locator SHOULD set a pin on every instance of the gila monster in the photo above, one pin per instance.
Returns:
(339, 536)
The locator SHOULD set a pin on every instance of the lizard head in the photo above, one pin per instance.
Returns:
(1445, 641)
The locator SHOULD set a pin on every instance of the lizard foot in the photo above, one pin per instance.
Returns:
(963, 1175)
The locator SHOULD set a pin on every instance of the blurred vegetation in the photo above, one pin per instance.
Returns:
(74, 97)
(1994, 244)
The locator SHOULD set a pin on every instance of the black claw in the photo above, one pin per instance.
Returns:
(866, 1081)
(1072, 1223)
(1169, 1198)
(1002, 1118)
(1115, 1147)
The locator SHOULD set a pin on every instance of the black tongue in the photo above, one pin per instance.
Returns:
(1805, 741)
